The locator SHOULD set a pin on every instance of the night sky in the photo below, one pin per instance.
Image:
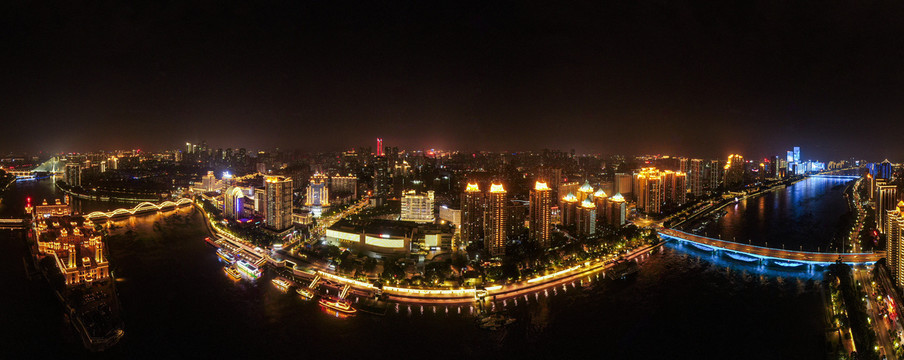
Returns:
(699, 79)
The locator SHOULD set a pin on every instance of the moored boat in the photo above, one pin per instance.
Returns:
(339, 305)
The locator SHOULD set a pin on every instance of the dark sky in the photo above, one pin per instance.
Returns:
(697, 78)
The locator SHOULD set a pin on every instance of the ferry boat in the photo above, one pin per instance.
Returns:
(281, 284)
(233, 273)
(305, 293)
(342, 306)
(226, 256)
(248, 269)
(211, 242)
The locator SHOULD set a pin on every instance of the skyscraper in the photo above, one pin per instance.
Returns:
(379, 147)
(586, 216)
(74, 174)
(382, 180)
(895, 244)
(695, 177)
(624, 184)
(472, 206)
(734, 171)
(886, 194)
(495, 227)
(279, 202)
(540, 213)
(713, 175)
(568, 209)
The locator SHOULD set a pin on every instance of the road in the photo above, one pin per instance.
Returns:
(886, 344)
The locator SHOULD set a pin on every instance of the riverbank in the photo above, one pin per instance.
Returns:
(436, 295)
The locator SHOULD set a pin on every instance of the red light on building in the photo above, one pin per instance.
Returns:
(379, 146)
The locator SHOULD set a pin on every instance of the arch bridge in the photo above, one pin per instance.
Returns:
(138, 209)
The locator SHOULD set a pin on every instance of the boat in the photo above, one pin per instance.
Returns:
(248, 269)
(233, 273)
(226, 256)
(211, 242)
(281, 284)
(624, 268)
(305, 293)
(342, 306)
(494, 321)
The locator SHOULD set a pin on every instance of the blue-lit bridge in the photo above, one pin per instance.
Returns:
(830, 176)
(752, 253)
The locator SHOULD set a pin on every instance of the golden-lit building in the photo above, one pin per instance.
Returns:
(279, 202)
(318, 193)
(586, 218)
(540, 213)
(472, 206)
(495, 226)
(617, 210)
(896, 244)
(569, 209)
(585, 191)
(77, 251)
(734, 171)
(886, 194)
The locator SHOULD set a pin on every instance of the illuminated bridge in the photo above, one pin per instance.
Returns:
(830, 176)
(140, 208)
(751, 253)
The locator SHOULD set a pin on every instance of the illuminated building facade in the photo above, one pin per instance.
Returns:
(279, 202)
(569, 209)
(585, 191)
(623, 184)
(344, 185)
(73, 174)
(382, 180)
(318, 193)
(472, 209)
(886, 196)
(617, 210)
(695, 177)
(417, 207)
(568, 188)
(495, 226)
(540, 213)
(896, 244)
(586, 218)
(234, 202)
(77, 251)
(713, 177)
(734, 171)
(209, 182)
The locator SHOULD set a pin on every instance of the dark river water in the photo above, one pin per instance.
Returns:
(803, 216)
(177, 303)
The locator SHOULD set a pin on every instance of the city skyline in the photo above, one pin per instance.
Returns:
(607, 78)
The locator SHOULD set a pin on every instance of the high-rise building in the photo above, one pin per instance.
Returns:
(896, 244)
(540, 213)
(886, 196)
(585, 191)
(74, 174)
(586, 218)
(552, 176)
(568, 209)
(209, 181)
(797, 154)
(344, 185)
(472, 206)
(648, 186)
(884, 170)
(495, 227)
(618, 210)
(734, 171)
(380, 147)
(695, 177)
(680, 188)
(318, 193)
(713, 176)
(279, 202)
(382, 179)
(567, 188)
(624, 184)
(417, 207)
(233, 202)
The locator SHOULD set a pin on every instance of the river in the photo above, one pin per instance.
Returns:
(178, 304)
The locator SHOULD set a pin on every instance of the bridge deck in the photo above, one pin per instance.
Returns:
(770, 253)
